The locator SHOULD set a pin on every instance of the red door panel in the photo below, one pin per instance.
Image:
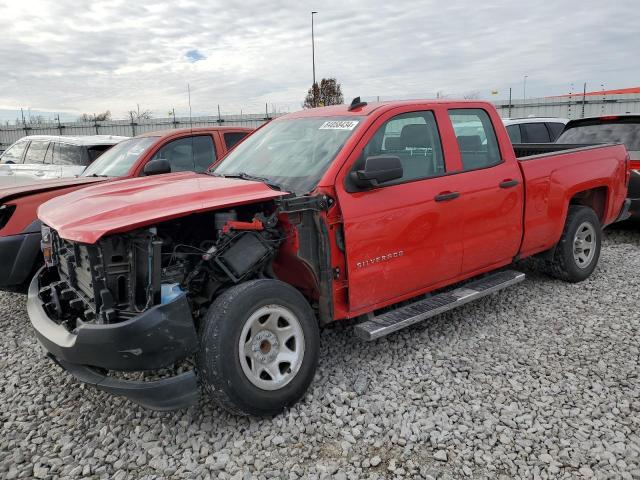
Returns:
(399, 239)
(492, 225)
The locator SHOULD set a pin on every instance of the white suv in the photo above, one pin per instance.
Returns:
(534, 129)
(52, 156)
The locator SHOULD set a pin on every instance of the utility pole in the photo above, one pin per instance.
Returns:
(524, 88)
(584, 98)
(313, 61)
(509, 102)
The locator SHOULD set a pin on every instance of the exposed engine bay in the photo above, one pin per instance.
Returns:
(125, 274)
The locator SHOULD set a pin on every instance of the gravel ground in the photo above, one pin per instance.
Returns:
(539, 381)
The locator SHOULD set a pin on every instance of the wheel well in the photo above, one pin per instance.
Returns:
(594, 198)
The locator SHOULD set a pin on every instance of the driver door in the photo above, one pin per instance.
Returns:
(402, 236)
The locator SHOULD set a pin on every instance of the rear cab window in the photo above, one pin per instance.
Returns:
(14, 153)
(36, 152)
(476, 138)
(623, 130)
(231, 139)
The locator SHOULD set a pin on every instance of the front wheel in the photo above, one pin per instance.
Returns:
(578, 250)
(259, 348)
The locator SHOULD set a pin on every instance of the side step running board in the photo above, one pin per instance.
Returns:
(401, 317)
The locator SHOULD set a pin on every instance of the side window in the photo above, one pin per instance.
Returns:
(476, 138)
(13, 154)
(64, 154)
(556, 129)
(194, 154)
(535, 132)
(36, 152)
(414, 139)
(232, 138)
(514, 133)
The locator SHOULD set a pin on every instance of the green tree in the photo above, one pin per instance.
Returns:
(323, 95)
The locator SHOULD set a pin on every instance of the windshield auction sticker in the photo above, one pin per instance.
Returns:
(339, 125)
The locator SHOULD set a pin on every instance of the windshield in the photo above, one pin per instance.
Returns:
(293, 154)
(627, 133)
(118, 160)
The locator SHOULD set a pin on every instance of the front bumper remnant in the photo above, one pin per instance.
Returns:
(170, 393)
(155, 339)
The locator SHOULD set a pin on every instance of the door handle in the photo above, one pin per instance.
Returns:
(39, 173)
(509, 183)
(444, 196)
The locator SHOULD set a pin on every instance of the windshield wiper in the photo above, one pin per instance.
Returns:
(98, 176)
(247, 176)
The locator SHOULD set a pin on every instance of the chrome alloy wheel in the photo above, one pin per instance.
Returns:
(271, 347)
(584, 245)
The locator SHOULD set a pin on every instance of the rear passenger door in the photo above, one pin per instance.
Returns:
(490, 193)
(194, 154)
(402, 236)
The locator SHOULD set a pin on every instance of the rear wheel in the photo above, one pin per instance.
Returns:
(578, 250)
(259, 348)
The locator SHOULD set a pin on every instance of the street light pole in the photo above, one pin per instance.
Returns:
(524, 88)
(313, 61)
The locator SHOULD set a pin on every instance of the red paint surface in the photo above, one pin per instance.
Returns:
(88, 214)
(29, 196)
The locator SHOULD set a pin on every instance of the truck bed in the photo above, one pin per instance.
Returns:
(525, 150)
(558, 174)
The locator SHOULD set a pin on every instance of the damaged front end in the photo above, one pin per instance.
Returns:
(133, 301)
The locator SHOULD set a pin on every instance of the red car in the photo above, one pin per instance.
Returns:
(321, 215)
(148, 154)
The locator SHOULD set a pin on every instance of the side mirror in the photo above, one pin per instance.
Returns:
(157, 166)
(378, 169)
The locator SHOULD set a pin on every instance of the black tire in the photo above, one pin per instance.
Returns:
(218, 361)
(564, 265)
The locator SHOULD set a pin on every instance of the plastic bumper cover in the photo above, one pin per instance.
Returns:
(155, 339)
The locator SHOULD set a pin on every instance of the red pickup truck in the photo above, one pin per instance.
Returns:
(148, 154)
(321, 215)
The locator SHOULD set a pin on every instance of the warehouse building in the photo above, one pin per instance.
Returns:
(574, 105)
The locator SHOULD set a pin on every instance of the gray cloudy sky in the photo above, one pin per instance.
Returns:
(61, 56)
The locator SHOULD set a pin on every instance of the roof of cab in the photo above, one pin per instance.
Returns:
(83, 140)
(370, 107)
(178, 131)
